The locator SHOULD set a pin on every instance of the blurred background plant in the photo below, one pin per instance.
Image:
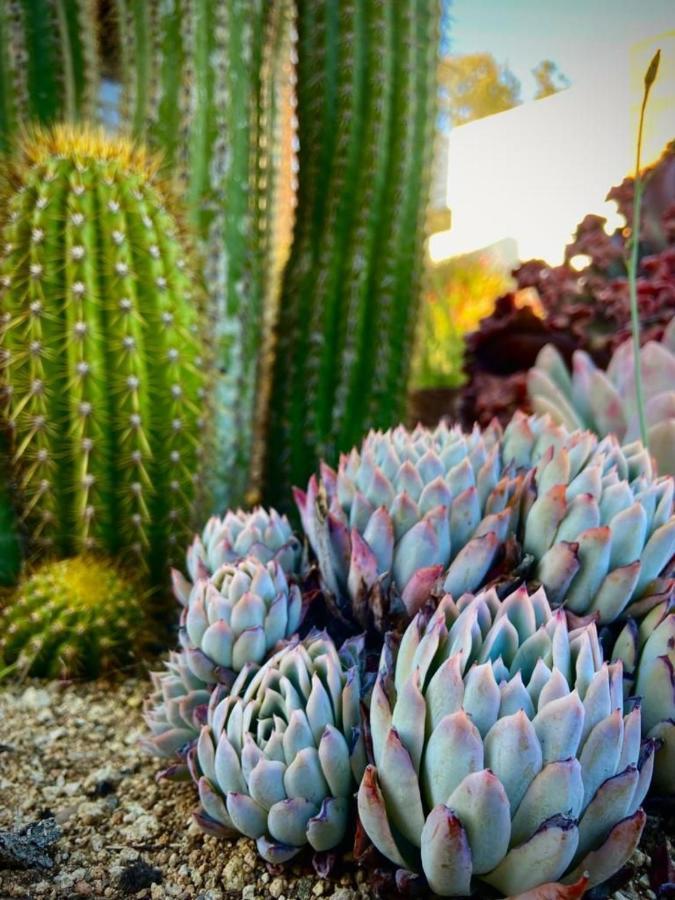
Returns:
(460, 292)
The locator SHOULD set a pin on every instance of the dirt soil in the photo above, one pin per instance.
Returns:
(71, 752)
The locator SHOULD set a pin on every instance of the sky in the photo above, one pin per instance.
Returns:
(579, 35)
(530, 174)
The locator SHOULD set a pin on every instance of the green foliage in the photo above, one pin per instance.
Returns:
(460, 293)
(549, 79)
(105, 369)
(366, 102)
(475, 85)
(49, 67)
(205, 83)
(78, 616)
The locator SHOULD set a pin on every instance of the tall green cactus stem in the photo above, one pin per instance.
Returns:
(49, 67)
(366, 101)
(201, 84)
(104, 368)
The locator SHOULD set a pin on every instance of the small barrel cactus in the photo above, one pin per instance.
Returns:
(601, 529)
(280, 763)
(75, 617)
(606, 402)
(103, 360)
(237, 617)
(647, 651)
(259, 533)
(493, 712)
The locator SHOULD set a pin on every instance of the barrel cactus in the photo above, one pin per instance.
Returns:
(281, 761)
(647, 651)
(606, 402)
(259, 533)
(49, 63)
(237, 617)
(494, 712)
(76, 617)
(104, 359)
(599, 528)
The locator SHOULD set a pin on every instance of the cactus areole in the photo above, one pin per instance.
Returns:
(103, 379)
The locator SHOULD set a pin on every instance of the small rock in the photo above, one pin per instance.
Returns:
(249, 893)
(276, 887)
(26, 848)
(82, 888)
(137, 876)
(35, 698)
(91, 812)
(144, 827)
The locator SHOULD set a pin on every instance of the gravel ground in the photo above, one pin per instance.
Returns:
(71, 751)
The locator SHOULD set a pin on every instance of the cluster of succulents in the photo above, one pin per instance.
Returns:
(75, 617)
(606, 402)
(502, 704)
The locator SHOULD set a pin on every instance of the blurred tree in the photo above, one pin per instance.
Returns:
(549, 79)
(475, 85)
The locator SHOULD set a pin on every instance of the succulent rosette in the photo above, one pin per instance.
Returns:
(599, 527)
(501, 750)
(176, 709)
(605, 401)
(236, 617)
(280, 760)
(262, 534)
(409, 505)
(647, 651)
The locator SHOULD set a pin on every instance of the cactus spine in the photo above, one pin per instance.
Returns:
(49, 68)
(366, 99)
(201, 83)
(103, 366)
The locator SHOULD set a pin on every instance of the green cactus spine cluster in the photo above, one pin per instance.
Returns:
(366, 99)
(202, 83)
(49, 66)
(78, 616)
(104, 367)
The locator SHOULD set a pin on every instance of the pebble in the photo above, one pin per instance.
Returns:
(35, 698)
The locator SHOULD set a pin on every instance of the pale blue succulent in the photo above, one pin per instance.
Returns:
(279, 761)
(237, 617)
(263, 534)
(502, 751)
(647, 652)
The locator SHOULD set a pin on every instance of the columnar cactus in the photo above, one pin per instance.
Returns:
(647, 651)
(49, 63)
(606, 402)
(104, 367)
(502, 751)
(76, 617)
(366, 98)
(204, 83)
(280, 762)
